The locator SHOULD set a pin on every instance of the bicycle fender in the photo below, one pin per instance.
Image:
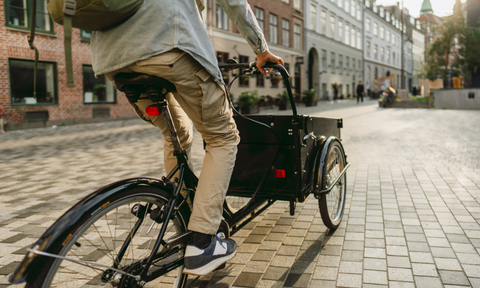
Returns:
(321, 162)
(312, 161)
(68, 223)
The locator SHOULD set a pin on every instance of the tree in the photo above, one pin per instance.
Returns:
(442, 48)
(468, 59)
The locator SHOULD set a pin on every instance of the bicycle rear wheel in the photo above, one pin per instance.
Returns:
(332, 204)
(102, 238)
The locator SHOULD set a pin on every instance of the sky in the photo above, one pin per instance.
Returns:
(440, 7)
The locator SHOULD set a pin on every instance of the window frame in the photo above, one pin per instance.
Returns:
(107, 82)
(55, 84)
(332, 26)
(297, 37)
(273, 28)
(28, 15)
(261, 22)
(285, 32)
(313, 17)
(223, 19)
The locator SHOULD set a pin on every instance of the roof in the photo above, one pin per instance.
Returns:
(426, 7)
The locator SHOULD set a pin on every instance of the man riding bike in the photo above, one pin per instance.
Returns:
(168, 39)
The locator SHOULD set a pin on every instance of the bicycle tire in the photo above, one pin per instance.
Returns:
(85, 244)
(332, 204)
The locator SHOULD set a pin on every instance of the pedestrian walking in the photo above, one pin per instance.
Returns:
(360, 90)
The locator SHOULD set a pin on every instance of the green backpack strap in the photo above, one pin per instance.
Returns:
(68, 11)
(30, 43)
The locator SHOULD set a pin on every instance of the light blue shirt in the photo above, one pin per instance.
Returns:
(162, 25)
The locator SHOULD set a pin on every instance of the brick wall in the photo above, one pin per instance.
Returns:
(13, 44)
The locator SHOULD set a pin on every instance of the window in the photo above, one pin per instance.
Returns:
(393, 58)
(243, 81)
(222, 57)
(324, 60)
(313, 17)
(297, 37)
(353, 37)
(347, 64)
(359, 39)
(340, 64)
(21, 82)
(18, 14)
(221, 18)
(273, 25)
(340, 3)
(259, 14)
(382, 32)
(388, 55)
(260, 80)
(382, 53)
(353, 8)
(359, 14)
(340, 30)
(286, 1)
(375, 51)
(393, 39)
(332, 62)
(347, 6)
(368, 48)
(85, 35)
(367, 24)
(296, 4)
(332, 26)
(285, 33)
(375, 28)
(347, 34)
(359, 64)
(324, 22)
(353, 65)
(96, 90)
(388, 36)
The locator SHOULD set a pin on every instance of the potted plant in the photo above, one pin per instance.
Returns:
(275, 79)
(282, 100)
(248, 99)
(310, 97)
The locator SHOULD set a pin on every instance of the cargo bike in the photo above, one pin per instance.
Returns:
(133, 233)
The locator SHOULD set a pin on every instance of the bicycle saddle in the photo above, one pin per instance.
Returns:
(123, 79)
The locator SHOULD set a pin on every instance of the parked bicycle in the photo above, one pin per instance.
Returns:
(133, 233)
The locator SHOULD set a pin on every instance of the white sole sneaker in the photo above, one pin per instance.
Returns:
(202, 271)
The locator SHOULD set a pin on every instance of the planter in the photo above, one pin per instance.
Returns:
(282, 106)
(308, 101)
(245, 110)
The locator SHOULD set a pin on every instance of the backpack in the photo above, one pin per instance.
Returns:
(92, 15)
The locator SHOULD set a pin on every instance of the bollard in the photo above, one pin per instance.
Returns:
(2, 110)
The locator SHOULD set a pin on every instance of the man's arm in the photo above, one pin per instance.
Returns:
(241, 14)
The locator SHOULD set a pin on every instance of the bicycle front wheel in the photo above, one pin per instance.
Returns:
(332, 204)
(121, 235)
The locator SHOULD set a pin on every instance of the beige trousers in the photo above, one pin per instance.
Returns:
(202, 100)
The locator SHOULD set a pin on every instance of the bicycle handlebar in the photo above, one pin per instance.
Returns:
(280, 68)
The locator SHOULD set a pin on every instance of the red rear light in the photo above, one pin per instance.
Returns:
(152, 110)
(280, 173)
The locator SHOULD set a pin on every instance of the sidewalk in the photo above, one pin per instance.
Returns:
(412, 215)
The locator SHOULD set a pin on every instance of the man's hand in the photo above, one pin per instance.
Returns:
(265, 57)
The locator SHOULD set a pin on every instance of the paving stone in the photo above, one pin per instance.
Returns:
(247, 279)
(297, 280)
(374, 277)
(454, 277)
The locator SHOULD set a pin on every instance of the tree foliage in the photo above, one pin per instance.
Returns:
(454, 38)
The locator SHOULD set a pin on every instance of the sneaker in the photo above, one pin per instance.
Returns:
(203, 261)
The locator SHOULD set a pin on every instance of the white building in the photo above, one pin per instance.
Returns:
(418, 50)
(333, 49)
(382, 51)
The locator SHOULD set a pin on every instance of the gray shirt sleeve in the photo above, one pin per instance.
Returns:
(241, 14)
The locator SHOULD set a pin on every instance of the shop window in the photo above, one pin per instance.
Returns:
(21, 82)
(96, 90)
(19, 15)
(244, 80)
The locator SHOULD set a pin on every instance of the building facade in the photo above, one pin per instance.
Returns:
(55, 103)
(333, 48)
(282, 25)
(382, 48)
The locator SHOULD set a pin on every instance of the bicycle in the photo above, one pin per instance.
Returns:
(133, 233)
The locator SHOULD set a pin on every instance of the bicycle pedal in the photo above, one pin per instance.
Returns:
(221, 267)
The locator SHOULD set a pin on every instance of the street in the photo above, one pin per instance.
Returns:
(411, 220)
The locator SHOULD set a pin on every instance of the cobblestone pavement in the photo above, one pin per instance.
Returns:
(412, 215)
